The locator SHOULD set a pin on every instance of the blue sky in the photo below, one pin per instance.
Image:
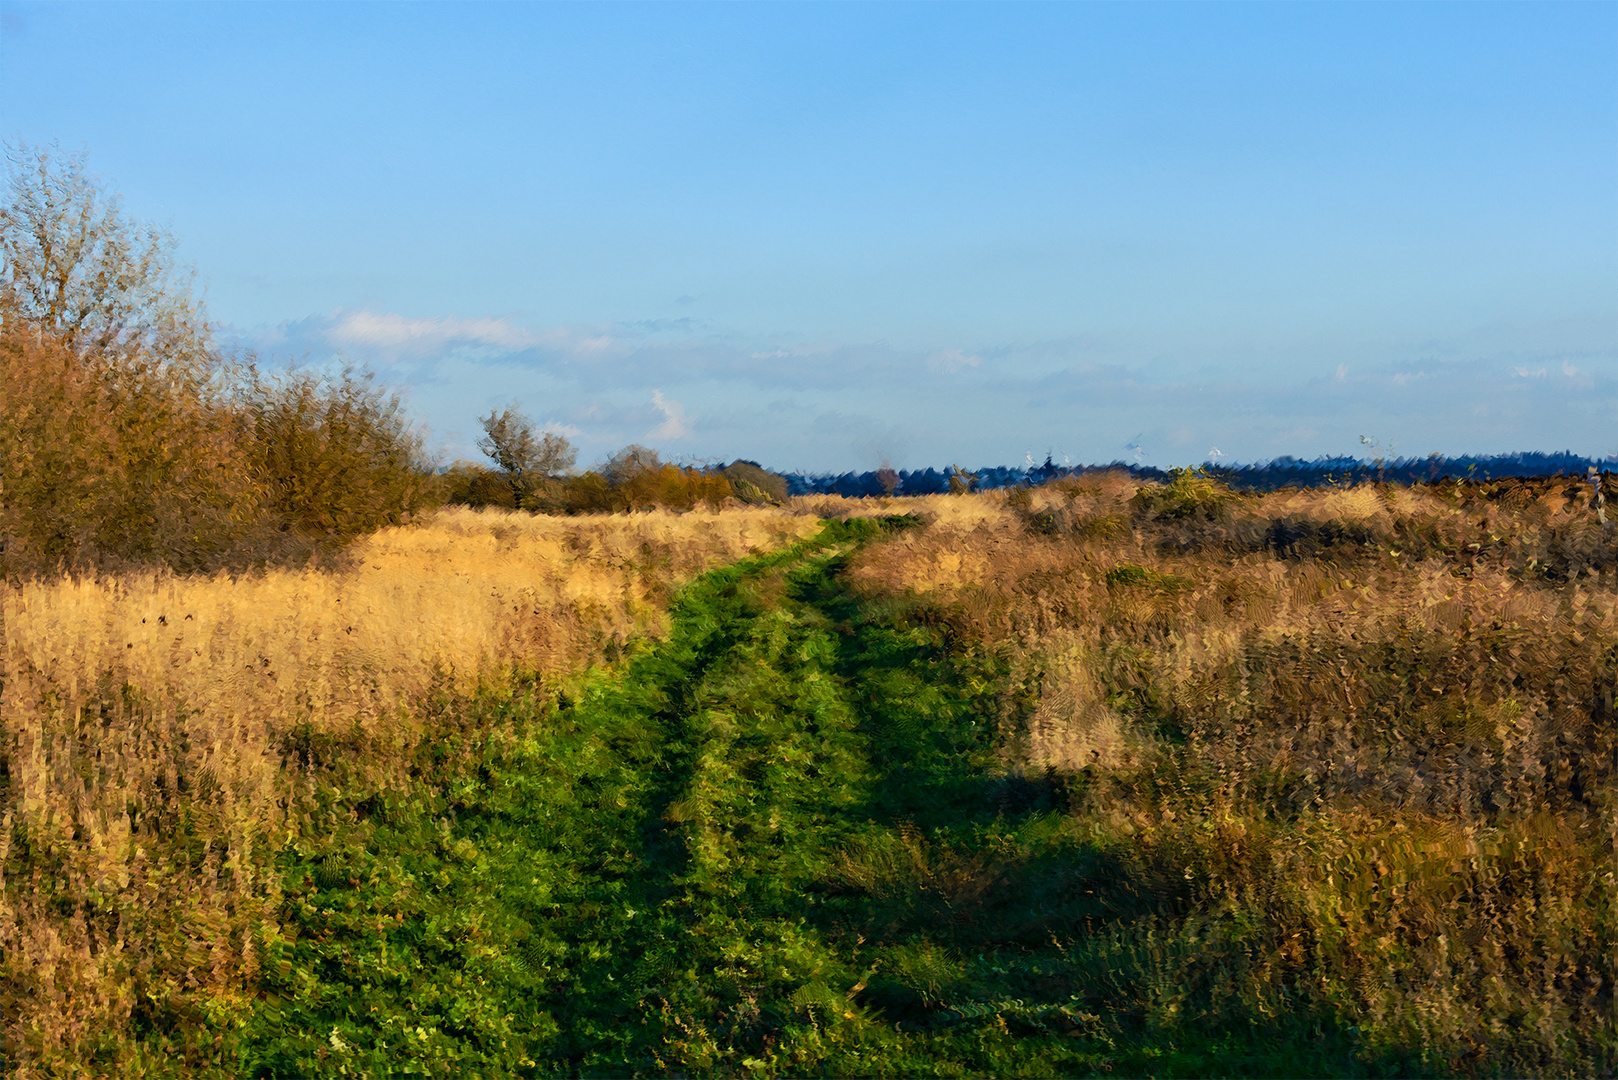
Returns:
(830, 236)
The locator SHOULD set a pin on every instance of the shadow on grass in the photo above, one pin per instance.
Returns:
(777, 844)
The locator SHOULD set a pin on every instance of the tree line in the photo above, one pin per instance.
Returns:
(1259, 476)
(129, 435)
(533, 470)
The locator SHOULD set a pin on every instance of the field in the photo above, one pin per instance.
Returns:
(1096, 778)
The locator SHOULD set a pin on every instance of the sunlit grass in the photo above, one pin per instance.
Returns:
(1068, 782)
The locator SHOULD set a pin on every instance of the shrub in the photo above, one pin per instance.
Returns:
(334, 455)
(105, 466)
(130, 438)
(589, 494)
(466, 483)
(1189, 493)
(673, 487)
(753, 485)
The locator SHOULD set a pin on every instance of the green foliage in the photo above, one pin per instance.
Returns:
(777, 844)
(1190, 493)
(1130, 574)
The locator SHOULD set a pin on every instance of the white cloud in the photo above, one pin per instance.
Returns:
(390, 338)
(676, 424)
(386, 331)
(833, 405)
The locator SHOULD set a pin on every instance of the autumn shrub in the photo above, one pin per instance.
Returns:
(466, 483)
(753, 484)
(589, 493)
(138, 464)
(130, 437)
(333, 455)
(637, 478)
(1189, 493)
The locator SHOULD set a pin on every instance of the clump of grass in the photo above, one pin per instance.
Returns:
(1189, 493)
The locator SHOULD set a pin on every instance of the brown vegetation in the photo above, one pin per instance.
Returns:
(635, 478)
(129, 438)
(163, 735)
(1378, 721)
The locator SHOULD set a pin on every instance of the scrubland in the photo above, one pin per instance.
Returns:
(164, 733)
(1351, 747)
(1098, 777)
(301, 776)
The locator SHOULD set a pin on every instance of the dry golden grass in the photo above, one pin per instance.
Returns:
(1381, 721)
(160, 732)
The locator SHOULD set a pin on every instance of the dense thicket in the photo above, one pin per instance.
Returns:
(129, 437)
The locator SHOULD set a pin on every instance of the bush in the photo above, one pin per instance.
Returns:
(334, 455)
(673, 487)
(106, 466)
(466, 483)
(130, 438)
(589, 494)
(637, 478)
(753, 485)
(1189, 493)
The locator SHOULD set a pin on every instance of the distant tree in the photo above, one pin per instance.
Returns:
(629, 463)
(525, 456)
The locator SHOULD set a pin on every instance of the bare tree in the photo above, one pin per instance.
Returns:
(74, 269)
(630, 462)
(113, 412)
(525, 455)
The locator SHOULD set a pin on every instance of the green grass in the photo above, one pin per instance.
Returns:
(778, 843)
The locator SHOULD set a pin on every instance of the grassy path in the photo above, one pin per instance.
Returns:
(774, 845)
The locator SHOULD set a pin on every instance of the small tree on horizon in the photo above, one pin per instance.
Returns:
(523, 454)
